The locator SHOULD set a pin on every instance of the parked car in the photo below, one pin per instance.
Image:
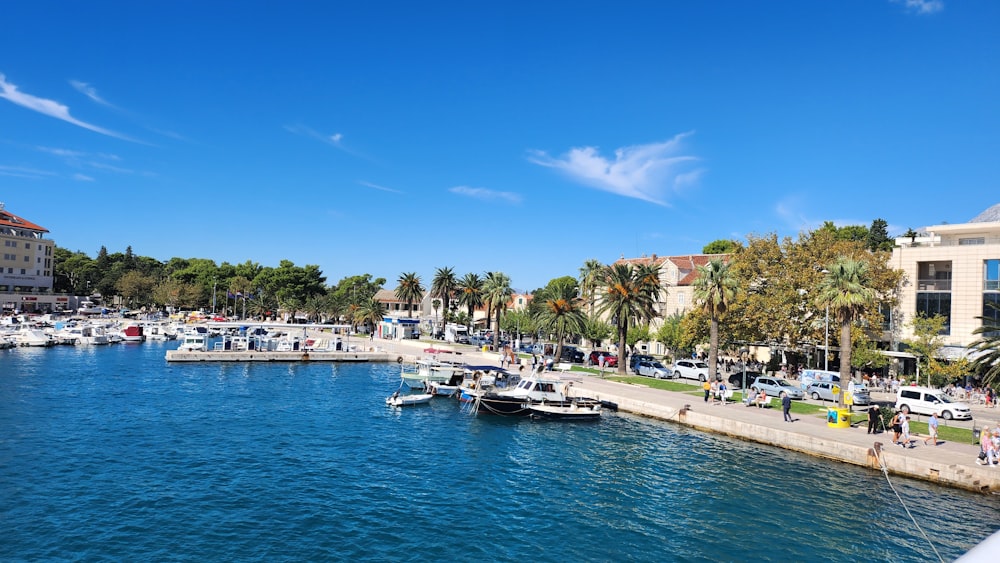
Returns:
(691, 369)
(822, 390)
(653, 368)
(610, 360)
(634, 359)
(736, 379)
(572, 354)
(777, 387)
(924, 400)
(861, 396)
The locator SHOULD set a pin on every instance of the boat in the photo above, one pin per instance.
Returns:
(400, 400)
(194, 339)
(133, 333)
(532, 390)
(442, 389)
(573, 411)
(32, 337)
(159, 332)
(419, 374)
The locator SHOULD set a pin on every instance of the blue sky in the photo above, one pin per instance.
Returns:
(524, 137)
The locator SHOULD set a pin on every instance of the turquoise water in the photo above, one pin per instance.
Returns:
(110, 453)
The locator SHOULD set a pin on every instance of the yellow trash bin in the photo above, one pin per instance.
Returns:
(838, 418)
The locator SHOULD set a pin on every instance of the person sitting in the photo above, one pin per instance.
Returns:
(751, 398)
(762, 399)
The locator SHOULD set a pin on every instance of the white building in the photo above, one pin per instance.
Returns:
(954, 271)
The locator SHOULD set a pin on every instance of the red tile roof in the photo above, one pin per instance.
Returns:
(687, 264)
(8, 219)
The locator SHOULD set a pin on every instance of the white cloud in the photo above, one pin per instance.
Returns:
(922, 6)
(89, 91)
(82, 178)
(50, 108)
(486, 194)
(336, 137)
(378, 187)
(645, 172)
(21, 172)
(334, 140)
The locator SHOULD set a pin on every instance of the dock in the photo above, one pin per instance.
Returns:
(270, 356)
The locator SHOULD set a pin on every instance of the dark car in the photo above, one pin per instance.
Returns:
(572, 354)
(610, 360)
(736, 379)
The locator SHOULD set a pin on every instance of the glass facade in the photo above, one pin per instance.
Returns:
(937, 303)
(991, 293)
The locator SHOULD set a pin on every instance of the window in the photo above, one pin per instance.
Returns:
(971, 241)
(991, 275)
(680, 299)
(938, 303)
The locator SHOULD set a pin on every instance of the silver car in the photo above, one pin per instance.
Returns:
(653, 369)
(777, 387)
(823, 391)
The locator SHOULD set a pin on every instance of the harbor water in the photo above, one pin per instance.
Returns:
(110, 453)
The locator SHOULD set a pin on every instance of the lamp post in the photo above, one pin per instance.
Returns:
(744, 352)
(826, 340)
(214, 284)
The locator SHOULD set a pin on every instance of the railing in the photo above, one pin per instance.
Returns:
(933, 285)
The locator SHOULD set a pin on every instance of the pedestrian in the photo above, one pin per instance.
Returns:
(904, 424)
(600, 361)
(714, 388)
(984, 437)
(786, 407)
(707, 387)
(897, 427)
(722, 392)
(874, 414)
(932, 429)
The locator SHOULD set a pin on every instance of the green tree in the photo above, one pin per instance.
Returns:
(370, 313)
(878, 236)
(444, 286)
(928, 338)
(629, 294)
(562, 311)
(846, 291)
(597, 330)
(590, 280)
(721, 246)
(670, 333)
(714, 288)
(409, 290)
(289, 284)
(497, 293)
(470, 294)
(987, 346)
(136, 289)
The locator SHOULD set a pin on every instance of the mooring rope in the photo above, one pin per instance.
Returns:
(885, 471)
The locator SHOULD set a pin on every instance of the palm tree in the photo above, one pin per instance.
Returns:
(444, 286)
(846, 291)
(470, 293)
(562, 313)
(628, 294)
(370, 313)
(715, 288)
(409, 290)
(590, 279)
(496, 292)
(988, 345)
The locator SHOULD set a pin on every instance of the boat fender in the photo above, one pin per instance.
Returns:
(399, 359)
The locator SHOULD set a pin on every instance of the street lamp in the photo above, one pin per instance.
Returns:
(826, 332)
(744, 352)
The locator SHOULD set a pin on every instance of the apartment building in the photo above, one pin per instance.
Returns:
(954, 271)
(26, 266)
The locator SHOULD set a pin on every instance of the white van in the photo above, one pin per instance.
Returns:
(809, 376)
(924, 400)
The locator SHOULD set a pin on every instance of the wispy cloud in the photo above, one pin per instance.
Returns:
(50, 108)
(89, 91)
(791, 211)
(334, 140)
(378, 187)
(922, 6)
(27, 173)
(486, 194)
(82, 178)
(646, 172)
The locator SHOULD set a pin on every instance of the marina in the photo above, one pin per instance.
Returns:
(137, 458)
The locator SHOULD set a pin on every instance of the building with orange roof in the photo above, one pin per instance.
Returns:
(27, 265)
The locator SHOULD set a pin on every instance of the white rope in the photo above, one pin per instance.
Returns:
(885, 471)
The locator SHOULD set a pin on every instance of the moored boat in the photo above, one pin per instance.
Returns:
(400, 400)
(535, 389)
(573, 411)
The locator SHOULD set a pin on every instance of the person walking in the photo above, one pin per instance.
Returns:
(874, 414)
(897, 427)
(707, 388)
(932, 429)
(786, 407)
(904, 427)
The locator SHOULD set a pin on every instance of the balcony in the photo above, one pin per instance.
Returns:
(933, 285)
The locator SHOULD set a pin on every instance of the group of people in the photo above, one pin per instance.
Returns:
(989, 447)
(900, 426)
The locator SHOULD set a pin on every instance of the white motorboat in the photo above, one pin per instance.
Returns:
(419, 374)
(33, 337)
(562, 411)
(400, 400)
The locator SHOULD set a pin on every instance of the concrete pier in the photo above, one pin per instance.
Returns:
(296, 356)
